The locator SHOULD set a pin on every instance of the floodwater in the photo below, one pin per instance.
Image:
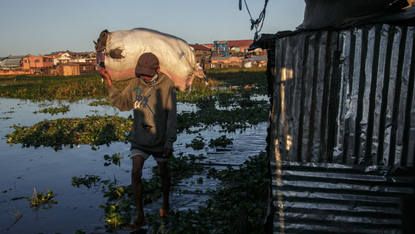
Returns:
(23, 170)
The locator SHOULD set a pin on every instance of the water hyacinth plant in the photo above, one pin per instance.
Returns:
(197, 143)
(54, 110)
(222, 141)
(92, 130)
(120, 198)
(87, 180)
(114, 159)
(38, 199)
(240, 198)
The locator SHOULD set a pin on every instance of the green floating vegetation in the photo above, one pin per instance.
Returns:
(38, 199)
(222, 141)
(102, 102)
(113, 159)
(198, 143)
(101, 130)
(120, 198)
(74, 88)
(231, 109)
(87, 180)
(239, 201)
(230, 120)
(8, 112)
(92, 130)
(54, 110)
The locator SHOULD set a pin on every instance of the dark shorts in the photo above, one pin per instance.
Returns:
(158, 156)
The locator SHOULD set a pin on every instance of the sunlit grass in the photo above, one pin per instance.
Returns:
(72, 88)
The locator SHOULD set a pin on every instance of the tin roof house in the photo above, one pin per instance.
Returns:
(226, 62)
(12, 62)
(202, 54)
(2, 60)
(342, 124)
(239, 46)
(256, 61)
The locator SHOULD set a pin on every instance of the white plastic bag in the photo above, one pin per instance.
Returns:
(118, 52)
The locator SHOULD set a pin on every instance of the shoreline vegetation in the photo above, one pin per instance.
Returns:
(72, 88)
(227, 101)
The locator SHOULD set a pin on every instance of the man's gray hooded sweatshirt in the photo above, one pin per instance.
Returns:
(155, 121)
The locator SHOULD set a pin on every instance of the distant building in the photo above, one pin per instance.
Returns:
(12, 62)
(11, 65)
(226, 62)
(210, 46)
(202, 54)
(72, 69)
(83, 57)
(67, 69)
(37, 63)
(60, 57)
(2, 60)
(239, 46)
(256, 61)
(236, 47)
(220, 47)
(200, 49)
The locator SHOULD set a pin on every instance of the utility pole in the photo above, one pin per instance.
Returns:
(28, 58)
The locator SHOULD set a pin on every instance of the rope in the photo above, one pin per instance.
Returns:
(261, 18)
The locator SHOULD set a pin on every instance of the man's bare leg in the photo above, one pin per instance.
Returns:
(136, 175)
(165, 184)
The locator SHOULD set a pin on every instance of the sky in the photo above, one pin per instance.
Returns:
(45, 26)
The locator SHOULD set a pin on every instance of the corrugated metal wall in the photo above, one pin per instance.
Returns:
(342, 129)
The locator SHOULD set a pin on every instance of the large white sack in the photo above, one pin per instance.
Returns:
(118, 52)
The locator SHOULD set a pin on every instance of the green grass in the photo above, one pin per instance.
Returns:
(53, 87)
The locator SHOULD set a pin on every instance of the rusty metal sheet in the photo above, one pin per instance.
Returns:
(342, 129)
(345, 97)
(336, 198)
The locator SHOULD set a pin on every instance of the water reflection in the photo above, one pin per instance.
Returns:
(114, 159)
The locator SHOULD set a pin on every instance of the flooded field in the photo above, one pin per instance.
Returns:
(25, 170)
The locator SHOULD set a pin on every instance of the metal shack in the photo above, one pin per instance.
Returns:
(341, 140)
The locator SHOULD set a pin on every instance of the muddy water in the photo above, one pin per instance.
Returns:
(24, 169)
